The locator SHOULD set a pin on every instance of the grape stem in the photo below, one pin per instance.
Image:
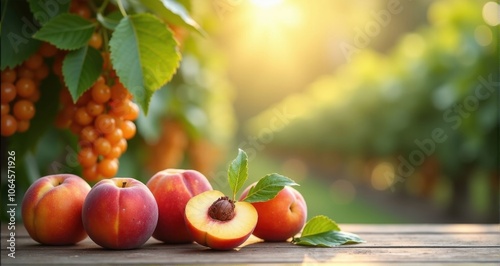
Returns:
(103, 6)
(122, 10)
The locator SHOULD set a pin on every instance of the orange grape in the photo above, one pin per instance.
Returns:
(9, 75)
(87, 157)
(24, 72)
(9, 92)
(107, 167)
(90, 173)
(24, 110)
(133, 111)
(100, 93)
(96, 40)
(23, 125)
(34, 62)
(25, 87)
(47, 50)
(102, 146)
(82, 117)
(9, 125)
(105, 123)
(128, 128)
(94, 109)
(115, 136)
(89, 134)
(5, 108)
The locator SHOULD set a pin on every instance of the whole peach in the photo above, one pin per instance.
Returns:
(120, 213)
(52, 209)
(172, 189)
(281, 217)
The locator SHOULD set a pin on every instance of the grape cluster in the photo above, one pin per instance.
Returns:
(102, 119)
(20, 90)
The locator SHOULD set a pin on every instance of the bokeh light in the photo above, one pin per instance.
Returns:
(491, 13)
(382, 176)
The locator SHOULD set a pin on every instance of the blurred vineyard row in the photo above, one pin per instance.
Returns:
(424, 114)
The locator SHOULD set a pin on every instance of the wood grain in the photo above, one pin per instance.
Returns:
(409, 244)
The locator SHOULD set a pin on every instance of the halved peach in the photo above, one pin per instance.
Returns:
(219, 223)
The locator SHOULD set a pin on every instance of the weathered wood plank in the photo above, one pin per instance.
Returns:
(251, 254)
(385, 244)
(422, 228)
(372, 240)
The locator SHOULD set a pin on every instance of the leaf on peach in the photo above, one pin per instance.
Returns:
(268, 187)
(238, 172)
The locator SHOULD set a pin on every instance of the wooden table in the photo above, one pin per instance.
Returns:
(397, 244)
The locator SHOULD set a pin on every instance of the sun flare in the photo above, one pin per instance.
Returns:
(266, 3)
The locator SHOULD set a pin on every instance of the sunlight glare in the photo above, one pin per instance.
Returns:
(266, 3)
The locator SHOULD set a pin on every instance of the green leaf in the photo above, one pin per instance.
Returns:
(319, 224)
(144, 55)
(173, 12)
(238, 172)
(16, 30)
(44, 10)
(66, 31)
(81, 68)
(110, 21)
(322, 231)
(328, 239)
(268, 187)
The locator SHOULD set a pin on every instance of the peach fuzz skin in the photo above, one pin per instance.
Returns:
(52, 209)
(281, 217)
(120, 216)
(172, 189)
(220, 235)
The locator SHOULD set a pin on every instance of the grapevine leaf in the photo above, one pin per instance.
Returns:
(44, 10)
(328, 239)
(144, 55)
(238, 172)
(81, 68)
(173, 12)
(16, 28)
(268, 187)
(66, 31)
(319, 224)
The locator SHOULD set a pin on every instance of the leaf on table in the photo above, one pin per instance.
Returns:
(268, 187)
(322, 231)
(328, 239)
(81, 68)
(144, 55)
(66, 31)
(319, 224)
(238, 172)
